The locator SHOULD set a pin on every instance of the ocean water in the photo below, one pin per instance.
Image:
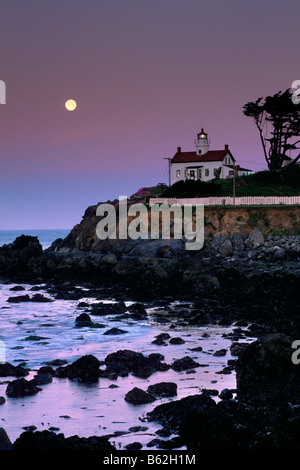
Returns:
(34, 333)
(46, 237)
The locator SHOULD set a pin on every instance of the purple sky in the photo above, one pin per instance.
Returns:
(146, 75)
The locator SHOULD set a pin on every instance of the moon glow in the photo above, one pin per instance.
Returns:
(70, 105)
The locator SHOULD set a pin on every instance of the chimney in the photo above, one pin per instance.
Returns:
(178, 149)
(226, 147)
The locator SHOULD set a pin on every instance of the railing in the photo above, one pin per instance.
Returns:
(229, 201)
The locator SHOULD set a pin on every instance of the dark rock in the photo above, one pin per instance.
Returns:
(86, 368)
(163, 389)
(40, 298)
(5, 443)
(137, 311)
(7, 370)
(2, 400)
(48, 440)
(173, 414)
(176, 341)
(221, 352)
(115, 331)
(19, 298)
(17, 288)
(225, 394)
(57, 362)
(265, 368)
(83, 320)
(137, 396)
(42, 379)
(46, 370)
(184, 363)
(124, 361)
(21, 388)
(138, 429)
(198, 348)
(134, 446)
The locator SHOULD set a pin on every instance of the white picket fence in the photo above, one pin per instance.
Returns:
(229, 201)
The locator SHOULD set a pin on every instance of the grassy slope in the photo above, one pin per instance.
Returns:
(285, 182)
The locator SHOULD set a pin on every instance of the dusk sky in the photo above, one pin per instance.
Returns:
(146, 76)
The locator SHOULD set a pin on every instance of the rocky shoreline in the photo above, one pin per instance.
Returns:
(241, 279)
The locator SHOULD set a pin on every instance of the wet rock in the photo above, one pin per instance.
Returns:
(173, 414)
(17, 288)
(115, 331)
(137, 311)
(210, 392)
(86, 368)
(125, 361)
(161, 339)
(8, 369)
(134, 446)
(163, 389)
(48, 440)
(42, 379)
(57, 362)
(225, 394)
(220, 352)
(40, 298)
(19, 298)
(265, 368)
(137, 396)
(101, 309)
(2, 400)
(176, 341)
(184, 363)
(83, 320)
(198, 348)
(21, 388)
(138, 429)
(237, 348)
(5, 443)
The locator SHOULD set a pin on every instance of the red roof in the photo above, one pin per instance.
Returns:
(210, 156)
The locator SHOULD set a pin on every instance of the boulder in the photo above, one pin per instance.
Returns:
(48, 440)
(86, 368)
(254, 239)
(174, 413)
(137, 396)
(7, 370)
(163, 389)
(115, 331)
(5, 443)
(184, 363)
(83, 320)
(264, 368)
(226, 248)
(21, 388)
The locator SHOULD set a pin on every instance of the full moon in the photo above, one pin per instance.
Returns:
(70, 105)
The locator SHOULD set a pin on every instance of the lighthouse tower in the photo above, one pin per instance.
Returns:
(202, 143)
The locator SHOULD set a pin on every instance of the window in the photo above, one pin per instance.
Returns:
(230, 172)
(206, 172)
(199, 173)
(215, 171)
(199, 152)
(178, 173)
(192, 173)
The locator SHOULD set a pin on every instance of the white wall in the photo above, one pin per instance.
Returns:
(203, 165)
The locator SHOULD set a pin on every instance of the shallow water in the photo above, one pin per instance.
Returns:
(96, 409)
